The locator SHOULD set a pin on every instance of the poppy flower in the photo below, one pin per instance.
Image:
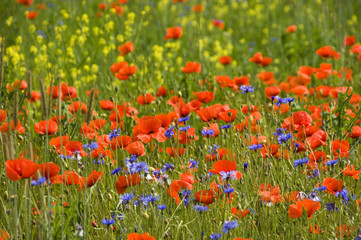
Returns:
(145, 99)
(25, 2)
(327, 52)
(295, 210)
(270, 194)
(176, 151)
(91, 180)
(272, 91)
(49, 170)
(68, 178)
(3, 115)
(162, 92)
(349, 40)
(260, 60)
(186, 137)
(332, 185)
(4, 235)
(77, 106)
(205, 196)
(301, 119)
(149, 128)
(106, 105)
(102, 6)
(355, 132)
(121, 142)
(135, 148)
(291, 29)
(197, 8)
(18, 84)
(214, 128)
(32, 15)
(5, 127)
(218, 23)
(61, 140)
(34, 96)
(350, 171)
(242, 80)
(205, 97)
(126, 48)
(356, 48)
(128, 181)
(239, 213)
(173, 33)
(229, 115)
(175, 187)
(225, 60)
(126, 71)
(137, 236)
(74, 147)
(340, 148)
(192, 67)
(212, 112)
(46, 127)
(20, 168)
(226, 169)
(117, 66)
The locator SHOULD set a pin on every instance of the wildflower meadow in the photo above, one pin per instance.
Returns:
(180, 119)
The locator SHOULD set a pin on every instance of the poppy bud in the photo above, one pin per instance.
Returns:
(111, 99)
(116, 89)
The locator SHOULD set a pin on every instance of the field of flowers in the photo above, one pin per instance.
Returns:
(180, 119)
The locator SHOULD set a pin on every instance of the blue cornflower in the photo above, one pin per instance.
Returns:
(146, 199)
(314, 197)
(162, 207)
(206, 132)
(322, 188)
(228, 175)
(98, 161)
(255, 147)
(245, 166)
(169, 132)
(213, 149)
(193, 164)
(64, 157)
(284, 137)
(115, 171)
(168, 166)
(41, 33)
(331, 207)
(282, 100)
(215, 236)
(114, 134)
(138, 167)
(332, 162)
(91, 146)
(130, 160)
(126, 197)
(40, 181)
(228, 225)
(297, 145)
(344, 195)
(300, 161)
(228, 189)
(186, 128)
(119, 217)
(201, 208)
(108, 221)
(279, 131)
(183, 120)
(156, 173)
(226, 126)
(246, 89)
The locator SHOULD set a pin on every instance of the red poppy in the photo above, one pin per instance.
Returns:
(102, 6)
(74, 147)
(3, 115)
(301, 119)
(349, 40)
(205, 196)
(18, 84)
(270, 194)
(239, 213)
(340, 148)
(175, 151)
(260, 60)
(212, 112)
(332, 185)
(149, 128)
(218, 23)
(197, 8)
(291, 29)
(34, 96)
(46, 127)
(175, 187)
(136, 148)
(145, 99)
(226, 166)
(173, 33)
(91, 180)
(56, 142)
(126, 48)
(229, 115)
(20, 168)
(205, 97)
(68, 178)
(162, 92)
(192, 67)
(295, 210)
(32, 15)
(117, 66)
(350, 171)
(126, 71)
(25, 2)
(242, 80)
(76, 106)
(327, 52)
(137, 236)
(128, 181)
(106, 105)
(225, 60)
(49, 170)
(272, 91)
(121, 142)
(355, 132)
(5, 127)
(213, 127)
(356, 48)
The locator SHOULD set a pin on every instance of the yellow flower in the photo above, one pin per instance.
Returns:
(9, 21)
